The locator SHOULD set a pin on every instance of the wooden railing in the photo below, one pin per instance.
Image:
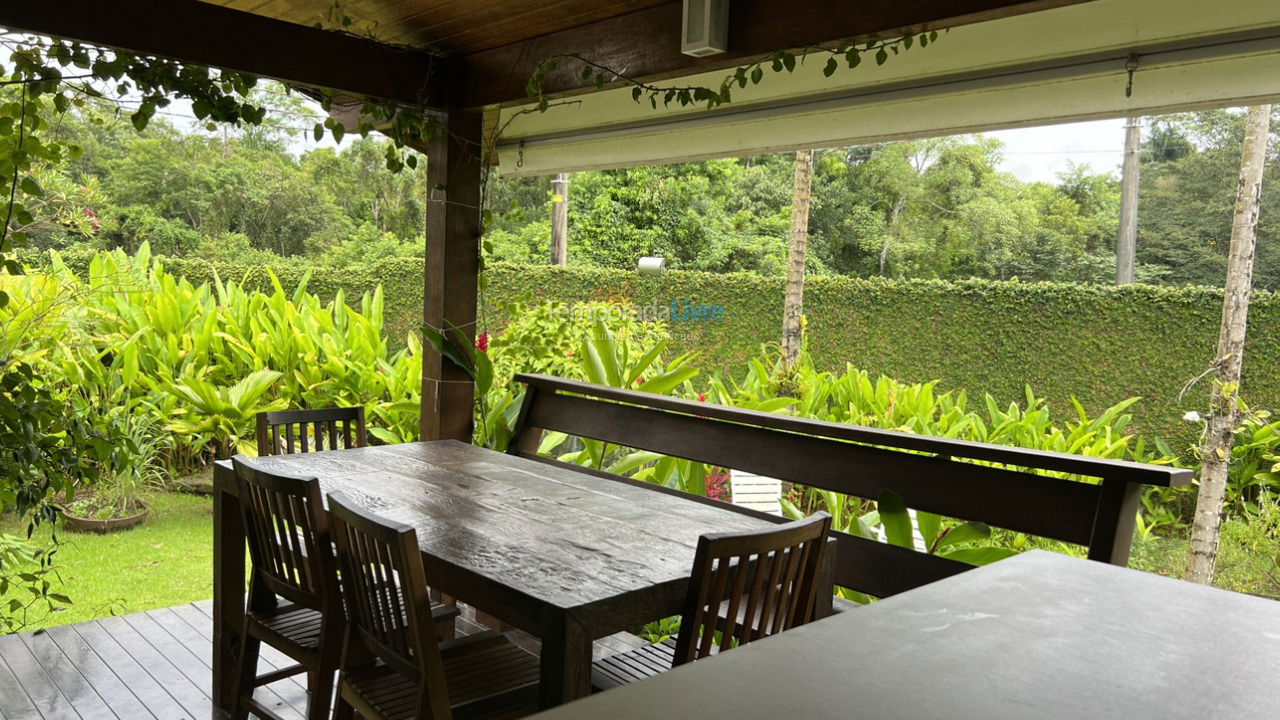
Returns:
(936, 475)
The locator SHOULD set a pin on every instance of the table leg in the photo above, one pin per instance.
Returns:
(566, 664)
(826, 583)
(228, 591)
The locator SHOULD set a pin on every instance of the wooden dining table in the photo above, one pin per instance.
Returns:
(567, 556)
(1039, 635)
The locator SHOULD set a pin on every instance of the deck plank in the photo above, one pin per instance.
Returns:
(191, 696)
(154, 665)
(66, 675)
(283, 696)
(121, 698)
(14, 703)
(33, 678)
(133, 674)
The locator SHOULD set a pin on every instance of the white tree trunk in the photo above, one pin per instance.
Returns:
(793, 304)
(1215, 452)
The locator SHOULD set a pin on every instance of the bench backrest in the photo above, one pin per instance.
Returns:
(935, 475)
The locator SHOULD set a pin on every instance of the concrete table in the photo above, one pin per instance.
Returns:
(1039, 635)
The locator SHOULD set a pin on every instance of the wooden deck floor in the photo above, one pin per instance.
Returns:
(149, 665)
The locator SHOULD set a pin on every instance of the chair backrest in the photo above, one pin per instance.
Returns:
(285, 432)
(388, 608)
(288, 535)
(749, 585)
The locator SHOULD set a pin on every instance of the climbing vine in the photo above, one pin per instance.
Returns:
(848, 54)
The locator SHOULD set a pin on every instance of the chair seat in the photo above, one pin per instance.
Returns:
(292, 627)
(485, 673)
(633, 665)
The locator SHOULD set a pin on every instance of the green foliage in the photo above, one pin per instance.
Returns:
(1098, 344)
(204, 359)
(548, 338)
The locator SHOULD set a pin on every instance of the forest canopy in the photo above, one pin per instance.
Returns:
(934, 208)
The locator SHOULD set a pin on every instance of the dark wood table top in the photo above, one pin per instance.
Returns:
(1040, 635)
(563, 539)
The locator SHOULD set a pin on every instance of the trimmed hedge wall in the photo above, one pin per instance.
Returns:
(1099, 344)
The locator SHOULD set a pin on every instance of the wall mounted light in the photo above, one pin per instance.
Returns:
(706, 27)
(651, 265)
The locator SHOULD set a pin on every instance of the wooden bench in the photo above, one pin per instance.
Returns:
(936, 475)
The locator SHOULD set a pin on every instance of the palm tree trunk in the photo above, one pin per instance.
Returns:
(1224, 409)
(793, 303)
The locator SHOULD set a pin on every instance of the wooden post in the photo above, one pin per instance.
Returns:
(560, 219)
(452, 267)
(1127, 241)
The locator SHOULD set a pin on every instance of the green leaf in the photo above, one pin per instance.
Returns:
(31, 187)
(980, 556)
(830, 68)
(895, 519)
(966, 533)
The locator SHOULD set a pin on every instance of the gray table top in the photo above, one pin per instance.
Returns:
(560, 537)
(1039, 635)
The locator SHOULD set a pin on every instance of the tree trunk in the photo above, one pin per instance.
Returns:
(1215, 452)
(1127, 241)
(560, 219)
(793, 304)
(891, 232)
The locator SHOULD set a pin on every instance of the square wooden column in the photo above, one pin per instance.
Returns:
(452, 267)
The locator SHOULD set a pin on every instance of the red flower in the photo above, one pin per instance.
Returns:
(702, 397)
(482, 342)
(639, 381)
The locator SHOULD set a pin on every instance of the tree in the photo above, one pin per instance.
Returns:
(1126, 241)
(1224, 408)
(793, 303)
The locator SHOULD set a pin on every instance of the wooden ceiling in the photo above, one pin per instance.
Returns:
(474, 53)
(449, 26)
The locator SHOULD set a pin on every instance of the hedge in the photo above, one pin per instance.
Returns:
(1100, 344)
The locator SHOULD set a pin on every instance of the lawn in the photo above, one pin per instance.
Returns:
(167, 561)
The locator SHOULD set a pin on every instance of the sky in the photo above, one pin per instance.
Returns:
(1038, 154)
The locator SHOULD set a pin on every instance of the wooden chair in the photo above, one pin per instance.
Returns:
(744, 586)
(310, 430)
(287, 531)
(392, 666)
(288, 536)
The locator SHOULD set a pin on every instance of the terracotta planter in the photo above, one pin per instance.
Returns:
(93, 525)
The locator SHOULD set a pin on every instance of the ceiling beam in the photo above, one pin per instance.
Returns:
(646, 44)
(206, 34)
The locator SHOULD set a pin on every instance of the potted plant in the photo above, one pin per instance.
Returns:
(116, 500)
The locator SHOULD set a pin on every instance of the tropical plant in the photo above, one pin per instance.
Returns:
(132, 445)
(222, 415)
(892, 522)
(606, 360)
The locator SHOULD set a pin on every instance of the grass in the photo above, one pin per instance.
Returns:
(166, 561)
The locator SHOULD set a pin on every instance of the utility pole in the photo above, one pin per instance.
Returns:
(793, 302)
(1224, 401)
(1127, 241)
(560, 219)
